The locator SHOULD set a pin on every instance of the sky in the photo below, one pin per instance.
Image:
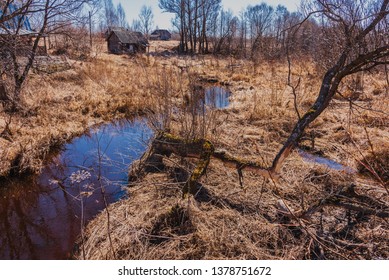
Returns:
(163, 20)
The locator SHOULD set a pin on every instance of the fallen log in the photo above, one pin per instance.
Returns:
(165, 144)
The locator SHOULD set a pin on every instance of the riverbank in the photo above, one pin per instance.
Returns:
(228, 218)
(312, 212)
(59, 106)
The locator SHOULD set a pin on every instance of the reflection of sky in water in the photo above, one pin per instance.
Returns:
(325, 161)
(217, 97)
(118, 147)
(40, 216)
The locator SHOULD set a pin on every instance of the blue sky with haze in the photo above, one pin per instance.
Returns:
(163, 20)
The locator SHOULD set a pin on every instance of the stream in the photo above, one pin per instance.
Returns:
(329, 163)
(217, 97)
(40, 216)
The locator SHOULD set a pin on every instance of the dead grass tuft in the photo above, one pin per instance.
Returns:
(376, 163)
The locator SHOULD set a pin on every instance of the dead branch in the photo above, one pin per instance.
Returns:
(350, 200)
(165, 144)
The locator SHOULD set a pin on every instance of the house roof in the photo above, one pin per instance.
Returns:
(159, 31)
(20, 32)
(17, 20)
(128, 37)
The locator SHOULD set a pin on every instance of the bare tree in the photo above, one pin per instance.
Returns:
(347, 37)
(361, 43)
(110, 13)
(121, 14)
(208, 15)
(226, 31)
(136, 25)
(146, 17)
(22, 26)
(194, 20)
(260, 20)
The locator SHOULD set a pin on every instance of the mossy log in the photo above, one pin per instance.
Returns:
(165, 144)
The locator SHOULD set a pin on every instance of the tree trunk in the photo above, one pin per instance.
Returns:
(328, 89)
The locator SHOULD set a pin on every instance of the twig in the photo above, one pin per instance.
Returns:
(102, 188)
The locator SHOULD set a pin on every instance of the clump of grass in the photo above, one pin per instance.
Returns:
(369, 119)
(376, 164)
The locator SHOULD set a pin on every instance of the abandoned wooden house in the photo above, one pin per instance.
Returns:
(161, 34)
(121, 40)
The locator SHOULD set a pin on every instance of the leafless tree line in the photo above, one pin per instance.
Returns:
(111, 16)
(205, 27)
(264, 32)
(193, 19)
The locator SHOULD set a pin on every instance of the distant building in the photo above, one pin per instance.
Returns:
(121, 40)
(161, 34)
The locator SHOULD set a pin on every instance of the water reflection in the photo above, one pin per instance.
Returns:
(325, 161)
(217, 97)
(40, 216)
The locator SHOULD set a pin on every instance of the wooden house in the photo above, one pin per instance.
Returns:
(121, 40)
(161, 34)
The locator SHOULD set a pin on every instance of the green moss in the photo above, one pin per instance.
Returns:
(207, 145)
(170, 136)
(311, 111)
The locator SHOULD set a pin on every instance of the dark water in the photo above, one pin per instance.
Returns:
(325, 161)
(217, 97)
(40, 217)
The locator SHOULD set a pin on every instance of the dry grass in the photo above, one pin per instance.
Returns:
(376, 164)
(65, 104)
(225, 220)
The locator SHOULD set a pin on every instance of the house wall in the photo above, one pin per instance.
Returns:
(165, 36)
(114, 45)
(117, 47)
(160, 35)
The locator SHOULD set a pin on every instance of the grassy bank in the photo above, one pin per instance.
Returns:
(311, 212)
(298, 217)
(62, 105)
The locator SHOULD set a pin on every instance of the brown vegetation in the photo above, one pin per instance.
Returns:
(64, 104)
(318, 84)
(262, 219)
(311, 212)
